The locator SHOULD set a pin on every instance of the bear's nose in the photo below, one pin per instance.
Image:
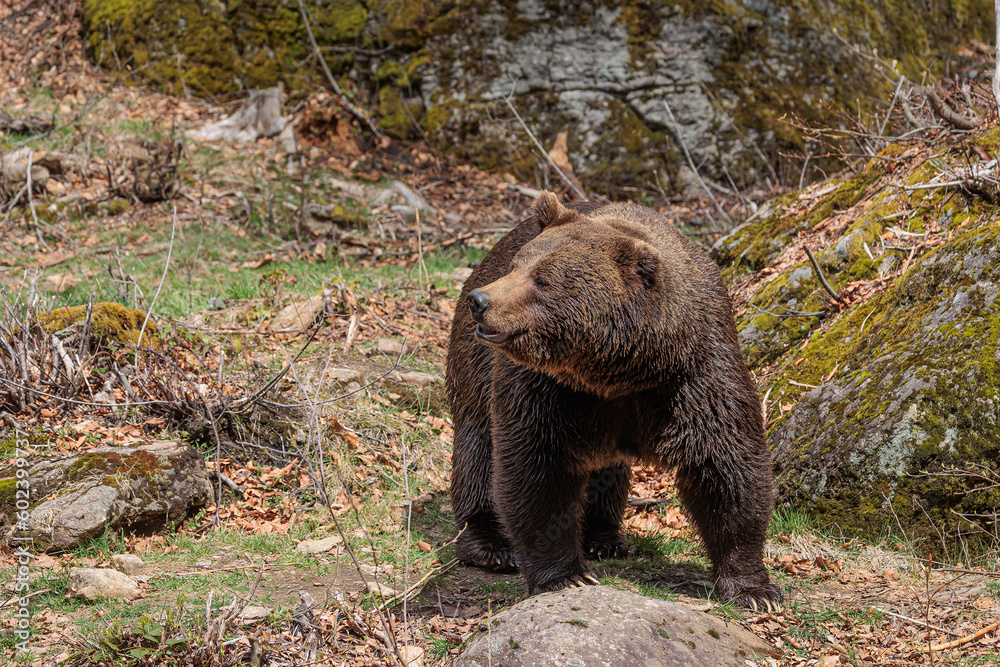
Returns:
(479, 301)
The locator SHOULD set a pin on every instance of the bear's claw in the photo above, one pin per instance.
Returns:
(485, 553)
(572, 581)
(760, 598)
(604, 547)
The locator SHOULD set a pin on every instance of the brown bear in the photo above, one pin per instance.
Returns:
(587, 339)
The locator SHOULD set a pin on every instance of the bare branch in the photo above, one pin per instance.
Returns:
(949, 115)
(566, 179)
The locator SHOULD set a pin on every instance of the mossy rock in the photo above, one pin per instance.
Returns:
(599, 71)
(148, 486)
(875, 403)
(109, 321)
(916, 391)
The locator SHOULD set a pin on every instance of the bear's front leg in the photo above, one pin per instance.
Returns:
(480, 540)
(540, 484)
(728, 494)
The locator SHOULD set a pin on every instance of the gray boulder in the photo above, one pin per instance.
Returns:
(607, 627)
(74, 498)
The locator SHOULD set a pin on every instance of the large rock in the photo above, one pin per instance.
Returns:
(602, 626)
(877, 406)
(143, 487)
(730, 71)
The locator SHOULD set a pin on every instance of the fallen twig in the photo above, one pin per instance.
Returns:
(961, 640)
(149, 311)
(822, 279)
(236, 488)
(417, 585)
(916, 621)
(645, 503)
(949, 115)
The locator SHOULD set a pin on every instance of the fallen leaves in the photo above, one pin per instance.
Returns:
(818, 567)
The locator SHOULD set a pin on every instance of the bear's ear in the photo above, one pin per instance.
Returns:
(550, 212)
(637, 260)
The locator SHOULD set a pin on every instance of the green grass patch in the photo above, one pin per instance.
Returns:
(788, 521)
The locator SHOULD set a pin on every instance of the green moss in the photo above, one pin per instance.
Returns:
(772, 322)
(148, 35)
(116, 470)
(8, 488)
(989, 140)
(393, 116)
(863, 269)
(223, 45)
(109, 321)
(90, 462)
(409, 22)
(910, 386)
(753, 246)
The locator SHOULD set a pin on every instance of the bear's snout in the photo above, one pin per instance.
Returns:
(479, 302)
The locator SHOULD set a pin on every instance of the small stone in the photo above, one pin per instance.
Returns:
(461, 273)
(298, 316)
(318, 546)
(392, 347)
(129, 564)
(416, 378)
(381, 590)
(343, 375)
(92, 583)
(61, 282)
(253, 614)
(55, 188)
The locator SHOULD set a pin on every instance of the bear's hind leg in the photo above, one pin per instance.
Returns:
(481, 540)
(607, 497)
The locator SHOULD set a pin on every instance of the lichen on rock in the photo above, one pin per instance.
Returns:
(141, 487)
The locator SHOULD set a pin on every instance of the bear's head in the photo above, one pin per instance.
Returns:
(582, 301)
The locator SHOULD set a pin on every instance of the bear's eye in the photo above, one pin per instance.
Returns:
(540, 281)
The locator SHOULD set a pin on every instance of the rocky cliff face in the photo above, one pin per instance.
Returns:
(602, 71)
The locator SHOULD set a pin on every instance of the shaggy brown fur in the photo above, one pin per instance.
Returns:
(594, 338)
